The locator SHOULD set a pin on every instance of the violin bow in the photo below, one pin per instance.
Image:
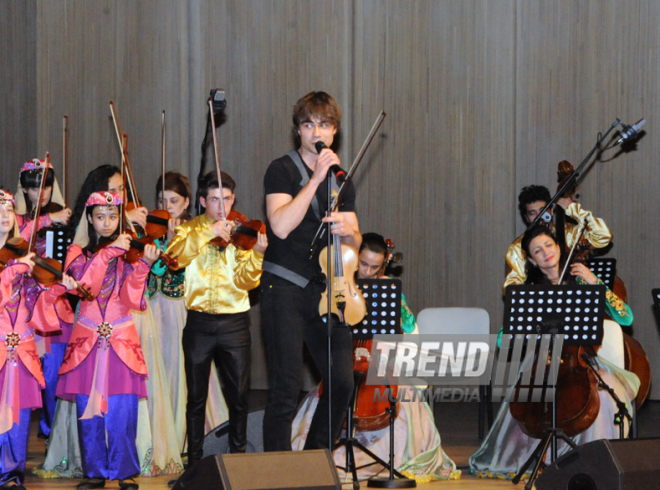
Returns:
(37, 210)
(344, 186)
(162, 161)
(216, 152)
(122, 139)
(583, 228)
(65, 159)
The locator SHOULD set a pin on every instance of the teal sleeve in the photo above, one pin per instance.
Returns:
(616, 308)
(407, 317)
(159, 268)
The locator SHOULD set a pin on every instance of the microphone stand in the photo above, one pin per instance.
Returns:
(328, 280)
(623, 412)
(569, 182)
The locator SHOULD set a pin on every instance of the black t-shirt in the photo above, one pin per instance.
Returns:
(283, 177)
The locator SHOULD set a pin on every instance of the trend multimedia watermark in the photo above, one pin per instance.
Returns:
(525, 369)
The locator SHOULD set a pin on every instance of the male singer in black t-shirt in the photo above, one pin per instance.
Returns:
(296, 203)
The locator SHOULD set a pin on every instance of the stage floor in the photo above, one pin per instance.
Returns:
(457, 423)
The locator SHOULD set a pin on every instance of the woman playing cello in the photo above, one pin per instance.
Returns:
(506, 446)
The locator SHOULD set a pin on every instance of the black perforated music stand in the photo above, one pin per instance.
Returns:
(656, 297)
(383, 299)
(605, 269)
(574, 311)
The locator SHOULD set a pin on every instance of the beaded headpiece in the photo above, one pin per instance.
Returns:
(104, 198)
(35, 164)
(7, 197)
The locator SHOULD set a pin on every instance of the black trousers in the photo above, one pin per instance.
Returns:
(290, 319)
(225, 340)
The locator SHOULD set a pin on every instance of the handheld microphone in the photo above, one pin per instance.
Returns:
(336, 169)
(630, 132)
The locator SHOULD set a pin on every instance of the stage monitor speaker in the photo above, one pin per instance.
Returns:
(302, 470)
(620, 464)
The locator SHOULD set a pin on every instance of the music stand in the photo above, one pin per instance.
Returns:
(383, 299)
(572, 311)
(656, 297)
(58, 239)
(605, 269)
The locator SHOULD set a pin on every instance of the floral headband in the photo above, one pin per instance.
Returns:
(104, 198)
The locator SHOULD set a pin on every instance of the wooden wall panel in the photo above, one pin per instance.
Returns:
(580, 65)
(18, 79)
(438, 181)
(129, 52)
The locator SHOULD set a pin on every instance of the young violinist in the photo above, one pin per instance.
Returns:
(27, 197)
(166, 294)
(291, 288)
(507, 447)
(104, 369)
(51, 347)
(217, 328)
(24, 304)
(531, 201)
(103, 178)
(371, 265)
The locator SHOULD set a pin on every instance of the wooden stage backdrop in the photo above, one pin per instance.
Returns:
(482, 98)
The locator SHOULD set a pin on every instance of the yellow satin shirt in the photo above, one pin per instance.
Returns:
(216, 282)
(597, 233)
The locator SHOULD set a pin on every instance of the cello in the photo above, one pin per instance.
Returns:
(636, 360)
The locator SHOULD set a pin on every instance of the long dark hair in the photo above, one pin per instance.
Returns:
(534, 273)
(96, 181)
(32, 178)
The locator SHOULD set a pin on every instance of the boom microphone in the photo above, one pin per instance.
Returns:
(630, 132)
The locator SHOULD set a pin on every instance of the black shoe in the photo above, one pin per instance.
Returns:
(88, 483)
(171, 483)
(128, 484)
(11, 486)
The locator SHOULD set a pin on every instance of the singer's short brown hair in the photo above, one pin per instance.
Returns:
(316, 105)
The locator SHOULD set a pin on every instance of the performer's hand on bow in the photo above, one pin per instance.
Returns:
(222, 229)
(61, 217)
(138, 216)
(581, 270)
(123, 241)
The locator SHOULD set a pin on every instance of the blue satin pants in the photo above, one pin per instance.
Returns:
(107, 444)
